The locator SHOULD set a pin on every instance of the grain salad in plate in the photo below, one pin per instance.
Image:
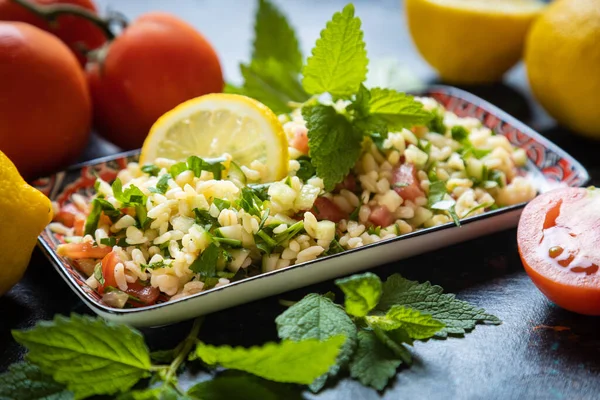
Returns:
(172, 228)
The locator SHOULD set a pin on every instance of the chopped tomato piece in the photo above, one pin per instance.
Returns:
(147, 294)
(67, 215)
(558, 238)
(406, 182)
(108, 270)
(300, 139)
(381, 216)
(82, 250)
(349, 183)
(327, 209)
(79, 226)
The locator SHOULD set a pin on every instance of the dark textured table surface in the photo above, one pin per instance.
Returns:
(539, 352)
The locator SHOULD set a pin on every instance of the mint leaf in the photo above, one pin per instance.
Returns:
(362, 293)
(206, 263)
(307, 170)
(320, 318)
(26, 381)
(241, 386)
(197, 165)
(416, 324)
(275, 38)
(288, 361)
(360, 104)
(459, 316)
(98, 207)
(272, 83)
(398, 109)
(437, 192)
(331, 137)
(339, 60)
(128, 197)
(449, 206)
(373, 363)
(89, 355)
(163, 184)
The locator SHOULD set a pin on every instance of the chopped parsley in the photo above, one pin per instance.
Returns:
(151, 169)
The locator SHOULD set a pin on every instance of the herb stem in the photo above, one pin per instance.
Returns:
(184, 349)
(51, 12)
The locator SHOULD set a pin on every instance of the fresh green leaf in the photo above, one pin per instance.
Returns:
(449, 207)
(360, 104)
(320, 318)
(338, 64)
(98, 206)
(128, 197)
(163, 184)
(156, 265)
(437, 122)
(250, 202)
(163, 356)
(437, 192)
(115, 356)
(459, 133)
(288, 361)
(178, 168)
(273, 83)
(373, 363)
(416, 324)
(221, 204)
(398, 110)
(206, 263)
(395, 340)
(25, 381)
(204, 218)
(362, 293)
(232, 385)
(458, 315)
(275, 38)
(331, 137)
(231, 88)
(307, 170)
(151, 169)
(197, 165)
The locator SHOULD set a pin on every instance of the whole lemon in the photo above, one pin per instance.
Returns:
(562, 56)
(471, 41)
(24, 212)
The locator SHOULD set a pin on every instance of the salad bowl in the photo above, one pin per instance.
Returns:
(547, 167)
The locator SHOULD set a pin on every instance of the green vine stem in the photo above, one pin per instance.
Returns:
(51, 12)
(183, 349)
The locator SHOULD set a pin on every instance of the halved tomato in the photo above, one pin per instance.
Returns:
(559, 244)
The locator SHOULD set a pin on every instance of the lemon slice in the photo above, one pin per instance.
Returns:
(210, 125)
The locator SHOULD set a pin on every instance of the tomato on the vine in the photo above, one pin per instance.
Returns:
(158, 62)
(559, 243)
(74, 31)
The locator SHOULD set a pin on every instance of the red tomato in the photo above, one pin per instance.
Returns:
(67, 215)
(406, 182)
(158, 62)
(381, 216)
(72, 30)
(300, 139)
(559, 238)
(82, 250)
(108, 270)
(327, 209)
(146, 294)
(349, 183)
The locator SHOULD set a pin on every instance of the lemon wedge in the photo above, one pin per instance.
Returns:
(214, 124)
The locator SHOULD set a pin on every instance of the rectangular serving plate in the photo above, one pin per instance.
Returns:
(548, 166)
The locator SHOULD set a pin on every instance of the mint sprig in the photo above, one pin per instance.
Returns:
(338, 64)
(26, 381)
(337, 68)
